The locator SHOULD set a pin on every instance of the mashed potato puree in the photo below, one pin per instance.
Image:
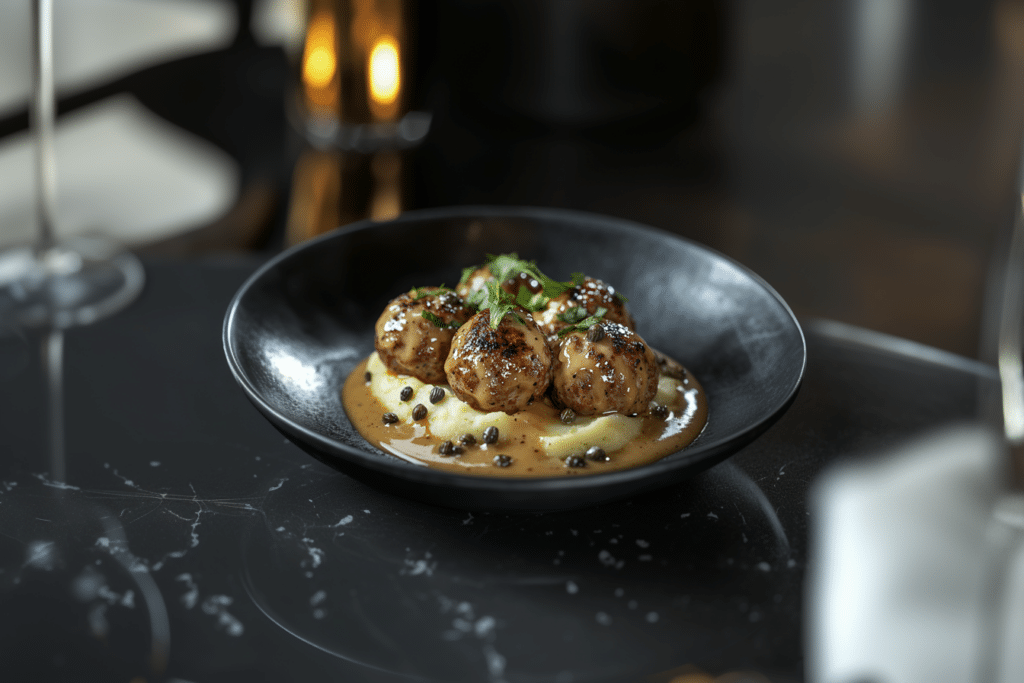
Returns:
(535, 439)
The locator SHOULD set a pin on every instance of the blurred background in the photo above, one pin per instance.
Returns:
(860, 155)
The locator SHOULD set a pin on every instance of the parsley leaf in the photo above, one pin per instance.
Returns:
(476, 298)
(500, 303)
(506, 266)
(573, 315)
(420, 292)
(438, 322)
(585, 323)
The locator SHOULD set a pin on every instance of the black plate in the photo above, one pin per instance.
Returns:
(300, 324)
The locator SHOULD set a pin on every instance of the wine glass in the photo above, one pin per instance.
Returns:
(59, 283)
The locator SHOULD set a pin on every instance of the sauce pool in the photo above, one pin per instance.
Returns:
(413, 442)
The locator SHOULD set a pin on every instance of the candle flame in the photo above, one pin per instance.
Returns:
(319, 61)
(383, 72)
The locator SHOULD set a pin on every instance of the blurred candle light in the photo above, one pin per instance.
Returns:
(386, 198)
(320, 65)
(384, 77)
(352, 78)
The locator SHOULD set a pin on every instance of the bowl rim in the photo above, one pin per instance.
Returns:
(393, 466)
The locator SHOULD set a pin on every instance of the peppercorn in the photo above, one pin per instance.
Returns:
(491, 435)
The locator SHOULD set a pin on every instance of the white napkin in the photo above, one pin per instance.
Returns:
(96, 41)
(912, 578)
(121, 171)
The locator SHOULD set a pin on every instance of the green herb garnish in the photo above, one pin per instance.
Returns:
(420, 292)
(438, 322)
(506, 266)
(476, 298)
(574, 315)
(500, 303)
(582, 324)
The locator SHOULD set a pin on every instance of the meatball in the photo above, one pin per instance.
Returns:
(607, 368)
(476, 281)
(502, 369)
(409, 343)
(591, 295)
(479, 278)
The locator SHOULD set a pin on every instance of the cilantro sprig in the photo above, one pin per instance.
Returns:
(505, 267)
(500, 303)
(438, 322)
(418, 293)
(466, 273)
(578, 319)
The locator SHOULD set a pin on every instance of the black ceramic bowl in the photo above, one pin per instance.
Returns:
(299, 325)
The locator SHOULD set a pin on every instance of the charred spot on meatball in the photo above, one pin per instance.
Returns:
(499, 369)
(618, 373)
(414, 333)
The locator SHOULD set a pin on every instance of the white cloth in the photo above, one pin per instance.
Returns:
(912, 578)
(96, 41)
(123, 172)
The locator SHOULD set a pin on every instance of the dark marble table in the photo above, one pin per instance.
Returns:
(191, 542)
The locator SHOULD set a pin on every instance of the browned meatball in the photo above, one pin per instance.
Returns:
(479, 278)
(608, 368)
(591, 295)
(409, 343)
(476, 281)
(502, 369)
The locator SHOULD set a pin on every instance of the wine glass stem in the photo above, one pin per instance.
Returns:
(42, 113)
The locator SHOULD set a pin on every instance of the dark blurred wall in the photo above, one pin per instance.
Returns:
(859, 155)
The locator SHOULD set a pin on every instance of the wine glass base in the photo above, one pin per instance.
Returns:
(76, 282)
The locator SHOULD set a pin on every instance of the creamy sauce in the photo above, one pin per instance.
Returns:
(523, 434)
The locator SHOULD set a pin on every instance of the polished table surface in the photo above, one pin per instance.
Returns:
(192, 542)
